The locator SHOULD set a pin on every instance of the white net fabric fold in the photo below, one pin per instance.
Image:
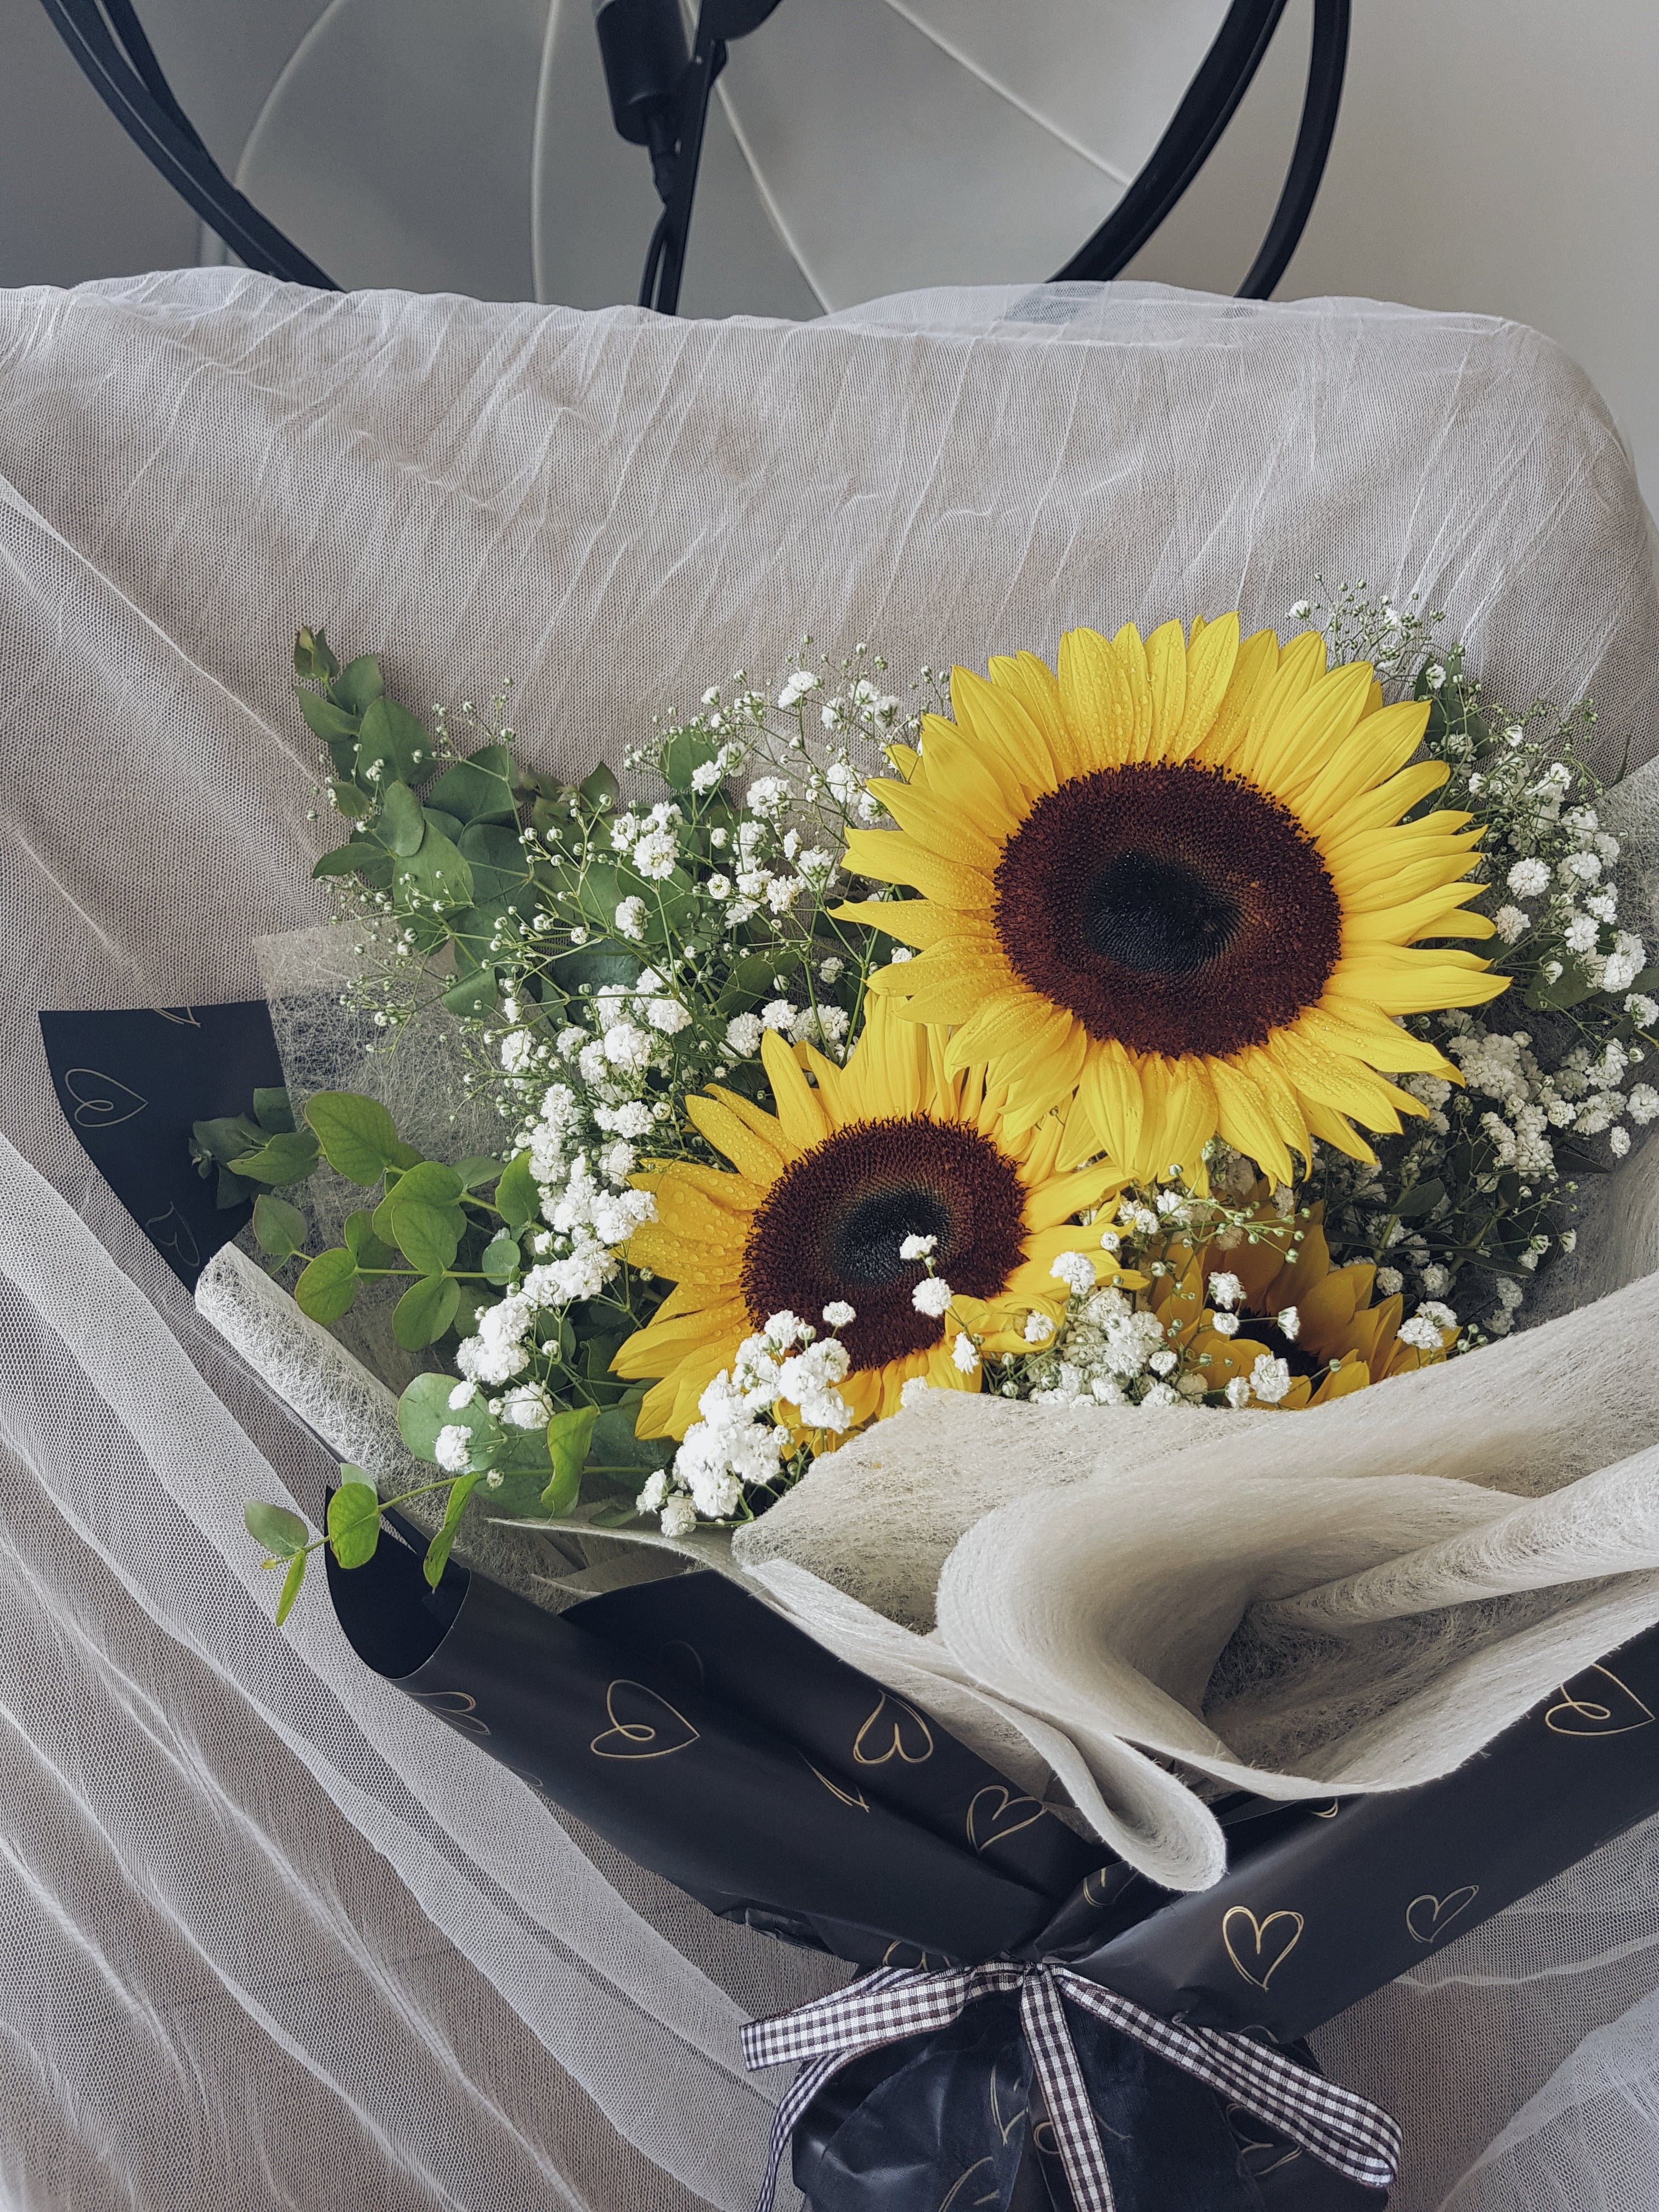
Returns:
(271, 1934)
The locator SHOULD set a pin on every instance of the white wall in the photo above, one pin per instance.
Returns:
(1501, 156)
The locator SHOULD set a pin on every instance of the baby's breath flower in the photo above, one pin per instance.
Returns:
(452, 1448)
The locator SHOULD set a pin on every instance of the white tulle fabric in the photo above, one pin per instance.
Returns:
(270, 1934)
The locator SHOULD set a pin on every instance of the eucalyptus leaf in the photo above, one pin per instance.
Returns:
(359, 1138)
(327, 1286)
(291, 1582)
(474, 997)
(614, 1515)
(351, 801)
(280, 1228)
(436, 872)
(403, 823)
(567, 1436)
(599, 789)
(288, 1159)
(392, 746)
(614, 1444)
(426, 1236)
(479, 788)
(313, 656)
(501, 870)
(359, 856)
(429, 1181)
(354, 1519)
(326, 718)
(364, 1246)
(358, 685)
(475, 1170)
(594, 965)
(1420, 1199)
(272, 1110)
(437, 1552)
(446, 825)
(1571, 988)
(517, 1197)
(424, 1311)
(501, 1258)
(281, 1532)
(686, 751)
(227, 1137)
(424, 1411)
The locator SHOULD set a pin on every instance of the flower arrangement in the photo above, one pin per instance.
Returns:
(1109, 1034)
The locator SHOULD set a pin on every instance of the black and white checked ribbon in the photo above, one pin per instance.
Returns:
(1344, 2131)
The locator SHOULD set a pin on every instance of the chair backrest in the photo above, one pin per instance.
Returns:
(852, 150)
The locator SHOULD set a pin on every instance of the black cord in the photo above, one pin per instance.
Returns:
(1211, 101)
(133, 87)
(653, 261)
(1327, 66)
(664, 261)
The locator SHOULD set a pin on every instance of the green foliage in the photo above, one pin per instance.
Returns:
(282, 1533)
(354, 1519)
(568, 1436)
(516, 1193)
(425, 1409)
(327, 1286)
(359, 1138)
(280, 1228)
(425, 1311)
(285, 1158)
(437, 1552)
(291, 1582)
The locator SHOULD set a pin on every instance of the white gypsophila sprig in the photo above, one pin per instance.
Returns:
(746, 1438)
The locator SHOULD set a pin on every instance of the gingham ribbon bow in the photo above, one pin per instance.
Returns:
(1358, 2139)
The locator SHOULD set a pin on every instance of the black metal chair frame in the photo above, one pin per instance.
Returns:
(108, 42)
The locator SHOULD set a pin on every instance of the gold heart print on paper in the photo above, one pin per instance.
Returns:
(976, 2186)
(1265, 1943)
(458, 1707)
(170, 1232)
(995, 1814)
(100, 1103)
(894, 1730)
(855, 1798)
(1597, 1703)
(643, 1725)
(1428, 1918)
(1257, 2157)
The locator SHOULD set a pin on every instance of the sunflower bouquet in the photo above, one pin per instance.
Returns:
(1122, 1032)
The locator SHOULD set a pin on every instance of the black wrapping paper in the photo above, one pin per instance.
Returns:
(1336, 1900)
(716, 1744)
(787, 1831)
(131, 1082)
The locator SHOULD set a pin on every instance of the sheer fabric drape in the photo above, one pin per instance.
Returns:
(270, 1934)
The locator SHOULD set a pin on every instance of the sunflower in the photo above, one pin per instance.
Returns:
(825, 1191)
(1342, 1343)
(1174, 882)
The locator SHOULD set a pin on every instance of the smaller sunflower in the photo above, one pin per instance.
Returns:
(825, 1192)
(1343, 1343)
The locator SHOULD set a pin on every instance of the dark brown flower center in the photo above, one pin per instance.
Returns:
(831, 1228)
(1174, 907)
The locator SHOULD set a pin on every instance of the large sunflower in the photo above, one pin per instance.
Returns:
(1174, 883)
(825, 1193)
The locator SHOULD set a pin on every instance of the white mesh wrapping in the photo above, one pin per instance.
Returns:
(270, 1934)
